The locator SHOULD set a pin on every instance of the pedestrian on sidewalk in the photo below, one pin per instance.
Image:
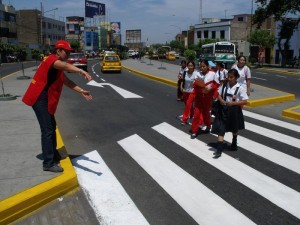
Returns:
(204, 87)
(221, 72)
(229, 116)
(187, 89)
(182, 68)
(43, 95)
(245, 73)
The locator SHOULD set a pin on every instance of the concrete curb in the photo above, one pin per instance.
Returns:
(25, 202)
(152, 77)
(291, 114)
(268, 101)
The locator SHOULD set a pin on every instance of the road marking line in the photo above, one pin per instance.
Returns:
(268, 153)
(261, 73)
(204, 206)
(281, 76)
(280, 194)
(107, 196)
(258, 78)
(270, 120)
(124, 93)
(295, 142)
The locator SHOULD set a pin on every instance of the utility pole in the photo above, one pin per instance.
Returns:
(200, 12)
(42, 14)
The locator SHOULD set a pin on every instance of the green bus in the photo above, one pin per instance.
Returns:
(219, 52)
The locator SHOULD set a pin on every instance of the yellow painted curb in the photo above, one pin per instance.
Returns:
(166, 81)
(268, 101)
(25, 202)
(290, 113)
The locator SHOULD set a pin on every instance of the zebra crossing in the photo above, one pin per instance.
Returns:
(268, 194)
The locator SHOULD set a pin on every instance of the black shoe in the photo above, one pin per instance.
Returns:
(183, 123)
(233, 147)
(217, 154)
(206, 131)
(193, 135)
(55, 169)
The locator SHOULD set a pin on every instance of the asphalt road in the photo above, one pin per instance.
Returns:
(289, 83)
(109, 118)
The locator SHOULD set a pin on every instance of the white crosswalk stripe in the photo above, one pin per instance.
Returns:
(281, 195)
(186, 190)
(276, 122)
(196, 197)
(273, 135)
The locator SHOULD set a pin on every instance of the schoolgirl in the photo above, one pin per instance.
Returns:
(205, 85)
(182, 68)
(221, 72)
(229, 116)
(244, 72)
(187, 90)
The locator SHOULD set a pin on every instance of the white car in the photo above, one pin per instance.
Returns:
(174, 53)
(131, 53)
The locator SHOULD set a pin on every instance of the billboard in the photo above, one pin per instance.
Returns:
(94, 9)
(133, 36)
(115, 27)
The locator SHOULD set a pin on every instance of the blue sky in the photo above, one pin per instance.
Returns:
(159, 20)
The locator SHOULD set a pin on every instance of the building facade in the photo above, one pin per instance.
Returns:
(35, 31)
(75, 30)
(236, 30)
(8, 24)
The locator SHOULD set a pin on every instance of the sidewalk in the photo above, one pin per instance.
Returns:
(24, 186)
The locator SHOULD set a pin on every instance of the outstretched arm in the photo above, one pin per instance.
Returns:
(61, 65)
(86, 94)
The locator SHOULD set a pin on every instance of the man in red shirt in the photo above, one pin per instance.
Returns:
(43, 95)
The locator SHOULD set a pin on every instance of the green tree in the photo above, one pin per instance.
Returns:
(262, 38)
(75, 44)
(279, 9)
(36, 53)
(178, 45)
(189, 54)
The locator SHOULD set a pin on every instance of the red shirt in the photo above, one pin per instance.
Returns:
(40, 80)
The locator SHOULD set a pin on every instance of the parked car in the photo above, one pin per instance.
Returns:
(78, 60)
(111, 62)
(170, 56)
(154, 56)
(11, 58)
(131, 53)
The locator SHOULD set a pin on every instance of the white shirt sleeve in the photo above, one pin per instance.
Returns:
(242, 94)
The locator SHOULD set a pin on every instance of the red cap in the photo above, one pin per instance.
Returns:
(63, 44)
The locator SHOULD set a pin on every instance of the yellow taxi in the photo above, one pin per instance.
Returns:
(111, 62)
(170, 56)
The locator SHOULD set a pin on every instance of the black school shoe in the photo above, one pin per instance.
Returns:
(55, 168)
(217, 154)
(233, 146)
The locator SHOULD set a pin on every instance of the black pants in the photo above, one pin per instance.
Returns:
(48, 126)
(179, 93)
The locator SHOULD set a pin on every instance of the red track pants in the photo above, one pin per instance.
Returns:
(188, 112)
(202, 108)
